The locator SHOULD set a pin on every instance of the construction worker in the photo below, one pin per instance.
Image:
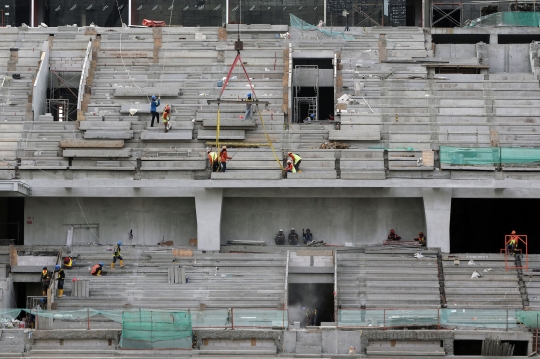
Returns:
(280, 238)
(296, 160)
(97, 270)
(153, 109)
(307, 237)
(117, 255)
(68, 262)
(512, 243)
(60, 276)
(421, 239)
(314, 319)
(293, 237)
(213, 158)
(45, 280)
(248, 107)
(309, 118)
(393, 236)
(223, 156)
(290, 167)
(166, 114)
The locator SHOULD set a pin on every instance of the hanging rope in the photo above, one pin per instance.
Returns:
(217, 128)
(165, 50)
(122, 57)
(268, 139)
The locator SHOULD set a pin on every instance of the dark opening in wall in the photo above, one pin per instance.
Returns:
(446, 17)
(323, 64)
(12, 220)
(474, 347)
(317, 296)
(518, 39)
(459, 38)
(478, 225)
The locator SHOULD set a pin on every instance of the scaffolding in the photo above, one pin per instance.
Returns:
(306, 76)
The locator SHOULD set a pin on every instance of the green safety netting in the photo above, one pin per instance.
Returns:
(300, 24)
(489, 156)
(507, 18)
(156, 329)
(477, 318)
(247, 318)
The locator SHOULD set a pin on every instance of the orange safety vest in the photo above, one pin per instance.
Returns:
(95, 269)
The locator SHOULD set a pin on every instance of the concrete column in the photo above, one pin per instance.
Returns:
(208, 204)
(437, 205)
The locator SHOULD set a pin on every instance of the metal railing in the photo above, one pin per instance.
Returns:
(84, 74)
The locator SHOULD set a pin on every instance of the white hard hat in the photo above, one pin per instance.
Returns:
(281, 230)
(292, 229)
(208, 149)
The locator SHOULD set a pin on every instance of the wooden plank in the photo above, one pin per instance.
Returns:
(92, 144)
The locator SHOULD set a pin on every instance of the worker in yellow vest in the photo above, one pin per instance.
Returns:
(296, 160)
(290, 167)
(512, 243)
(213, 158)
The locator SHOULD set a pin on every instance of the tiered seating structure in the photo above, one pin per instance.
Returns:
(496, 289)
(384, 278)
(216, 281)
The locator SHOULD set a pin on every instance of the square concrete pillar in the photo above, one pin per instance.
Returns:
(208, 203)
(437, 205)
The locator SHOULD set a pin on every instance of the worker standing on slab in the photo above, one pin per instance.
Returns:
(97, 270)
(280, 238)
(45, 280)
(60, 276)
(248, 107)
(296, 160)
(393, 236)
(512, 243)
(224, 157)
(213, 158)
(307, 236)
(117, 255)
(293, 237)
(166, 114)
(153, 109)
(421, 239)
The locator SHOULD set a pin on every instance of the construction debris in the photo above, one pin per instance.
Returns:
(334, 145)
(493, 347)
(475, 274)
(315, 244)
(246, 242)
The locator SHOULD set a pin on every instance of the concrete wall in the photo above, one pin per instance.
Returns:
(460, 51)
(40, 85)
(7, 294)
(334, 220)
(111, 218)
(510, 58)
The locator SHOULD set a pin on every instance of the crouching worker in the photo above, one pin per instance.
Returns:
(97, 270)
(290, 167)
(280, 238)
(421, 239)
(117, 255)
(393, 236)
(68, 262)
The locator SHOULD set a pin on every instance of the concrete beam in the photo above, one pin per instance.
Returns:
(208, 204)
(124, 152)
(437, 205)
(172, 135)
(166, 91)
(113, 135)
(91, 144)
(103, 125)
